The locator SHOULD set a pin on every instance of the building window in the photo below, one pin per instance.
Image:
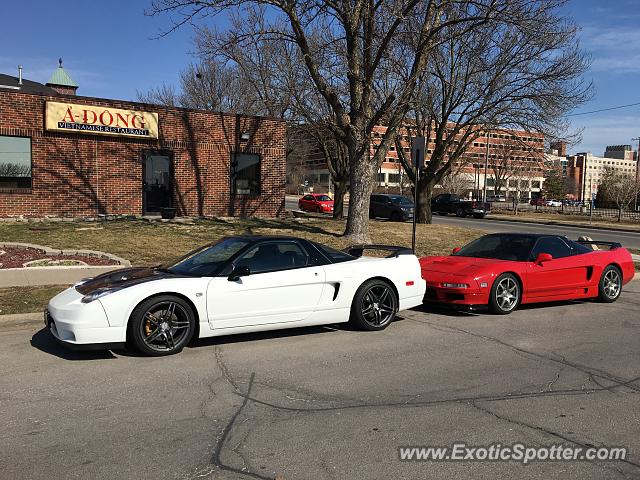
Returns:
(245, 174)
(15, 162)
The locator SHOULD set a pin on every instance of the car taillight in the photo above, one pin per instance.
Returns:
(410, 283)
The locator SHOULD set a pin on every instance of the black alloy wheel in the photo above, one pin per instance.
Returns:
(162, 325)
(374, 306)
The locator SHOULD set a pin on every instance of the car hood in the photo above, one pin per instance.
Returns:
(458, 266)
(123, 278)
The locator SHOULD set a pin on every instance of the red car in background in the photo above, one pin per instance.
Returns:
(316, 202)
(504, 270)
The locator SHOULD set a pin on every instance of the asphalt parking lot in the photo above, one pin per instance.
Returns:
(331, 403)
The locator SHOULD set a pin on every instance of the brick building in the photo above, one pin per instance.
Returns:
(510, 155)
(71, 156)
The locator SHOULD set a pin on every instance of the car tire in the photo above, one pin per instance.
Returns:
(318, 209)
(610, 285)
(162, 325)
(505, 294)
(478, 216)
(371, 215)
(374, 305)
(460, 212)
(396, 217)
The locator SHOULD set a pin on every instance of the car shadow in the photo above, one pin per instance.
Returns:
(268, 335)
(455, 311)
(447, 310)
(45, 342)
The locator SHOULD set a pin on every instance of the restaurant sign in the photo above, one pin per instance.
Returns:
(74, 118)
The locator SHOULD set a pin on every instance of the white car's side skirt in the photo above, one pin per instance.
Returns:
(325, 317)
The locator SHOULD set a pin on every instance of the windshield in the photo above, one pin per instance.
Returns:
(401, 200)
(206, 261)
(500, 247)
(323, 198)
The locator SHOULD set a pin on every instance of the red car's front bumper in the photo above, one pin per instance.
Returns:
(436, 293)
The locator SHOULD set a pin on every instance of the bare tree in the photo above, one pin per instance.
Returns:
(456, 182)
(162, 95)
(524, 73)
(618, 189)
(350, 51)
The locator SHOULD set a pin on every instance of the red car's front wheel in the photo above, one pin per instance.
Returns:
(505, 294)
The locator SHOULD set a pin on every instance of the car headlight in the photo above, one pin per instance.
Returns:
(98, 293)
(455, 285)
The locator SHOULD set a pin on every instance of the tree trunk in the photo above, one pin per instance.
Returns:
(340, 189)
(423, 201)
(619, 214)
(361, 171)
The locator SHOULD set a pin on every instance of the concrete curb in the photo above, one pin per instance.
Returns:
(35, 276)
(21, 320)
(561, 223)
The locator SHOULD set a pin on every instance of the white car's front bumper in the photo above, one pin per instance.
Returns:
(81, 325)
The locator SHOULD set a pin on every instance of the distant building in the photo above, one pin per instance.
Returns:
(497, 149)
(585, 171)
(621, 152)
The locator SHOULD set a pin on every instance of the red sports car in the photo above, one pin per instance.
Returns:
(316, 202)
(503, 270)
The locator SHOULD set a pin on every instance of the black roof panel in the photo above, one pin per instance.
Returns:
(28, 86)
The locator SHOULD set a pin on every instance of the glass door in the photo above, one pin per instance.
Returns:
(157, 182)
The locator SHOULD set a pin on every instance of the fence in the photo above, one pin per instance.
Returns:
(571, 210)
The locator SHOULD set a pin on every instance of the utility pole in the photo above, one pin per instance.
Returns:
(635, 197)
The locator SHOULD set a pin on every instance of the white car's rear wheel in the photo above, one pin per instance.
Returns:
(162, 325)
(374, 306)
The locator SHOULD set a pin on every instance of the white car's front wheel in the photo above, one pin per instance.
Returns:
(162, 325)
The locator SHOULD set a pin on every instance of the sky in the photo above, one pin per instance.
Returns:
(111, 50)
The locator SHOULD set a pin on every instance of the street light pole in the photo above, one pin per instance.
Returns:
(635, 197)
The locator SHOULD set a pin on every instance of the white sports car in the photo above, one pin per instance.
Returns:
(236, 285)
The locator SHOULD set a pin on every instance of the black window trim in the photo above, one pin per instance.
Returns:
(233, 174)
(22, 190)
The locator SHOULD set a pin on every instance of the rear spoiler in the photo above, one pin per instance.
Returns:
(358, 250)
(590, 243)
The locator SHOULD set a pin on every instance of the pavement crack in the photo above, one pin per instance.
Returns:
(549, 433)
(216, 459)
(593, 371)
(223, 368)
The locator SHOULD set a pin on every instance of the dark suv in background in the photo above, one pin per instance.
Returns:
(393, 207)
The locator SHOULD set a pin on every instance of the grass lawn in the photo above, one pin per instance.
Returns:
(145, 243)
(26, 299)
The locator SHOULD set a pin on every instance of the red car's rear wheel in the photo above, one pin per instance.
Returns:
(610, 285)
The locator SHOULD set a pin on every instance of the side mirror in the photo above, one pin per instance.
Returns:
(238, 272)
(456, 250)
(543, 257)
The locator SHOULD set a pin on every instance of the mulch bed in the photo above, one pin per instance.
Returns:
(16, 257)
